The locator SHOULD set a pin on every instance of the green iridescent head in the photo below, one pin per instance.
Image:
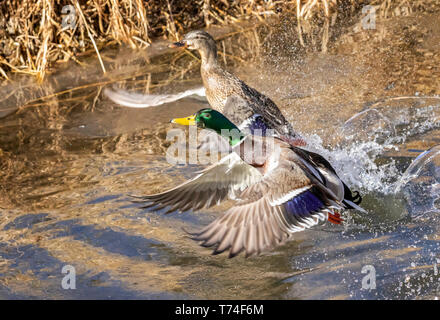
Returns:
(211, 119)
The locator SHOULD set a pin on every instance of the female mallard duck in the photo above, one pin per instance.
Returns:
(281, 189)
(221, 85)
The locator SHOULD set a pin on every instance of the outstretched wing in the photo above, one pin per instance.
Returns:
(287, 200)
(228, 177)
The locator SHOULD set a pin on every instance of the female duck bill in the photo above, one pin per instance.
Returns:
(179, 44)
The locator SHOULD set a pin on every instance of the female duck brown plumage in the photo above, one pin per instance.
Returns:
(221, 85)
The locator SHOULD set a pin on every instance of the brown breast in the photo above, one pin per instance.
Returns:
(219, 85)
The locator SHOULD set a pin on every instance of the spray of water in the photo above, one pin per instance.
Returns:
(361, 161)
(137, 100)
(356, 164)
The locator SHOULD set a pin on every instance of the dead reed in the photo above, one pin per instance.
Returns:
(35, 35)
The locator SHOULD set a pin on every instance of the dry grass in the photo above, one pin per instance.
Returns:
(34, 35)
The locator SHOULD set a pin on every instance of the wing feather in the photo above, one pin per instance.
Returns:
(211, 186)
(271, 212)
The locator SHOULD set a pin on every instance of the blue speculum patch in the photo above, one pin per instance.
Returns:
(303, 204)
(258, 124)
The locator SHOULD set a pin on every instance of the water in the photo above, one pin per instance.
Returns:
(69, 164)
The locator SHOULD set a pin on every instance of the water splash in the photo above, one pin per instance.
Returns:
(361, 159)
(138, 100)
(421, 183)
(366, 125)
(426, 161)
(356, 164)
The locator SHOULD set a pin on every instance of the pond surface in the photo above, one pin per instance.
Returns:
(70, 158)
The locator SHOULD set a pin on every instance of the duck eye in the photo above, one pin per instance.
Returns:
(207, 116)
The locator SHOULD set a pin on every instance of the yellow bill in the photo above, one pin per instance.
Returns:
(186, 121)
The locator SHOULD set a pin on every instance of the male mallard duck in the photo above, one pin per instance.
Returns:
(220, 85)
(281, 189)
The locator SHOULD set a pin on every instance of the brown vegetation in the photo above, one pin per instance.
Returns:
(36, 34)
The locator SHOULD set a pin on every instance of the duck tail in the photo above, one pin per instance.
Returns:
(352, 196)
(352, 199)
(355, 197)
